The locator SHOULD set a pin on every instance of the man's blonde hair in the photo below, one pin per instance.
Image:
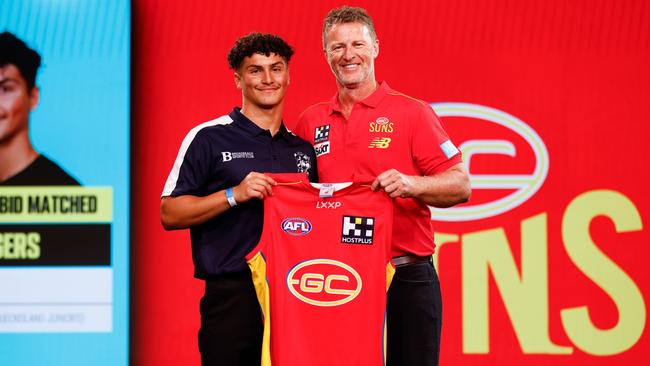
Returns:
(348, 14)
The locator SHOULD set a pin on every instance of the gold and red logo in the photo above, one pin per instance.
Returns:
(381, 124)
(324, 282)
(380, 143)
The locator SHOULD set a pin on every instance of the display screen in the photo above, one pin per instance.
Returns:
(64, 239)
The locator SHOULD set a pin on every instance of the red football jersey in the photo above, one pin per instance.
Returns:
(384, 131)
(321, 271)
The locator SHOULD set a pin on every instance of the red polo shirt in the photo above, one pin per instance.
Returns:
(387, 130)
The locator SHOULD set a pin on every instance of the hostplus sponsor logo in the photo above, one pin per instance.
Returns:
(321, 133)
(357, 230)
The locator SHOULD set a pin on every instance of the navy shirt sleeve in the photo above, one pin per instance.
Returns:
(192, 167)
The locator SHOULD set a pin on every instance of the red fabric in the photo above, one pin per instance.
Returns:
(358, 147)
(303, 333)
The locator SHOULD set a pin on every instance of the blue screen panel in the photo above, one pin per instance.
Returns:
(70, 307)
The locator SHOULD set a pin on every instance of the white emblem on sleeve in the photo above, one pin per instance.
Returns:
(448, 148)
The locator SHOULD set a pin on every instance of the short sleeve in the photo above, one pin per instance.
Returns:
(431, 147)
(191, 167)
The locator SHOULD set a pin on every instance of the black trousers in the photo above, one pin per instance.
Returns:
(414, 316)
(231, 322)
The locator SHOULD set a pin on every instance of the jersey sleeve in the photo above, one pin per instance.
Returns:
(191, 168)
(431, 147)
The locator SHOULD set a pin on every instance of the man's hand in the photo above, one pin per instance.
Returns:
(394, 183)
(444, 189)
(254, 185)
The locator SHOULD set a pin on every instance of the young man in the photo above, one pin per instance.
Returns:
(216, 188)
(369, 129)
(20, 164)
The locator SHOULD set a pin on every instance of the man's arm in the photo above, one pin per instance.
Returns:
(445, 189)
(182, 212)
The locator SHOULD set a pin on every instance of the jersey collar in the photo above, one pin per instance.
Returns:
(371, 101)
(249, 126)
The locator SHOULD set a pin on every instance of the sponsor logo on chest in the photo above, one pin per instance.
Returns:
(321, 133)
(322, 148)
(380, 143)
(230, 155)
(296, 226)
(322, 140)
(381, 124)
(357, 230)
(328, 204)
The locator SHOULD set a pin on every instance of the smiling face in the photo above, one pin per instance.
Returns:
(263, 80)
(351, 51)
(16, 102)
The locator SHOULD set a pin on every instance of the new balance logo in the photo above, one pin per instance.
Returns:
(380, 143)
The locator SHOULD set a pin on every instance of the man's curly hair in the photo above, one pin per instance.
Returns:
(13, 51)
(262, 43)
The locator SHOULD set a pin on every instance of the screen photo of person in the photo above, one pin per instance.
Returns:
(20, 163)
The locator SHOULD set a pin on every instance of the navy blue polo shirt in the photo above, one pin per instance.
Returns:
(218, 154)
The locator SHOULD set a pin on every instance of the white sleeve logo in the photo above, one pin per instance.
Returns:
(448, 149)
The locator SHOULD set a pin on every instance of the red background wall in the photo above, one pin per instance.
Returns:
(575, 71)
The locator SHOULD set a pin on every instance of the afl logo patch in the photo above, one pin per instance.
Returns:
(324, 282)
(296, 226)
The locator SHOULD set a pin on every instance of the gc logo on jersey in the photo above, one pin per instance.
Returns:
(296, 226)
(357, 230)
(324, 282)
